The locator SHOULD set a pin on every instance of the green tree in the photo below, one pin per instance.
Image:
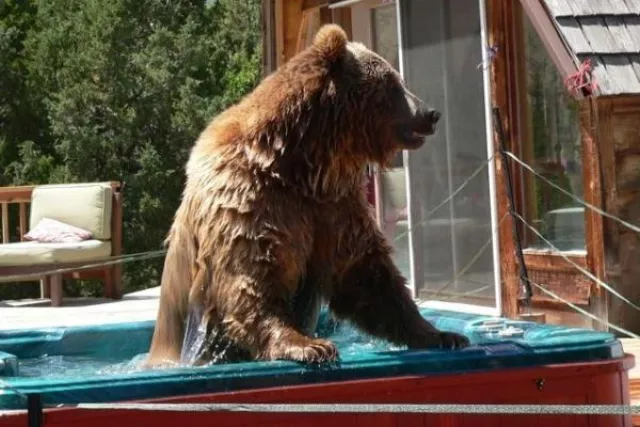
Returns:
(126, 88)
(22, 117)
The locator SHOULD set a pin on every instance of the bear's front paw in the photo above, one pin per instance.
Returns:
(307, 350)
(439, 339)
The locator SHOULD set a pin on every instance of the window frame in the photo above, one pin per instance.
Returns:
(509, 95)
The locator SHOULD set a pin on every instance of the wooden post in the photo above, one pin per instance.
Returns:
(114, 286)
(594, 222)
(45, 287)
(56, 290)
(24, 226)
(499, 13)
(5, 223)
(269, 59)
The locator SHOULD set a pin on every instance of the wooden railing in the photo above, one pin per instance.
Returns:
(109, 275)
(13, 195)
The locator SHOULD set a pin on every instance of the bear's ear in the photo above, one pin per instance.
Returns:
(331, 41)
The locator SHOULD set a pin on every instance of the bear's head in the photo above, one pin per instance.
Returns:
(374, 113)
(334, 107)
(385, 116)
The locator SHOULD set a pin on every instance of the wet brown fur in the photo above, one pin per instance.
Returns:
(274, 200)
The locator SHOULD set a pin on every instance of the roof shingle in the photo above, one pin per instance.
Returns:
(608, 33)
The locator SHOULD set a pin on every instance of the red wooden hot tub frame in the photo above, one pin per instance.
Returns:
(595, 383)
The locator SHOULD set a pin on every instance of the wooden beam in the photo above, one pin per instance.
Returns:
(16, 194)
(523, 144)
(302, 30)
(342, 17)
(291, 22)
(594, 222)
(269, 51)
(325, 16)
(22, 194)
(38, 270)
(499, 13)
(312, 4)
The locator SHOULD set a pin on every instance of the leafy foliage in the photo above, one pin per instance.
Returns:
(120, 90)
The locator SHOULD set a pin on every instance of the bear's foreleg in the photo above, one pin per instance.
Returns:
(373, 295)
(262, 322)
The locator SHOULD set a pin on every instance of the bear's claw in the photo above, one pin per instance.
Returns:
(311, 351)
(439, 339)
(453, 341)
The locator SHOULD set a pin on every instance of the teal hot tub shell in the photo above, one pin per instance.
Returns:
(96, 364)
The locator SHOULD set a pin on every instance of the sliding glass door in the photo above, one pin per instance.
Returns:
(453, 243)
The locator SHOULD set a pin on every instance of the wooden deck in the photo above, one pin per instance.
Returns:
(31, 314)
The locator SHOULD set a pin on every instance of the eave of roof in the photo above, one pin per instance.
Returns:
(606, 32)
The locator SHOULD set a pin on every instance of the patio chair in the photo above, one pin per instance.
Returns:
(94, 207)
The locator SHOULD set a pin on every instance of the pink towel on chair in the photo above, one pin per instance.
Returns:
(51, 231)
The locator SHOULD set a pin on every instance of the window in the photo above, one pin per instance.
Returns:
(552, 146)
(454, 247)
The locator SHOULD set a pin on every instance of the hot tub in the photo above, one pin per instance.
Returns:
(509, 362)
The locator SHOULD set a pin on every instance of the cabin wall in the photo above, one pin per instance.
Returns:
(618, 127)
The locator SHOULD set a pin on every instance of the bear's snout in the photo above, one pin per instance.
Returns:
(424, 122)
(412, 132)
(435, 116)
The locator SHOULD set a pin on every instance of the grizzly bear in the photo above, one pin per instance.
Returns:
(274, 219)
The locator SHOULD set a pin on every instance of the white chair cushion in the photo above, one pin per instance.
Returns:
(87, 206)
(51, 231)
(33, 253)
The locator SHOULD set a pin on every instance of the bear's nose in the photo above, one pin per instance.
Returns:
(434, 115)
(425, 120)
(429, 114)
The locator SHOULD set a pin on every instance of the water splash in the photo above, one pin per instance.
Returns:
(194, 344)
(57, 366)
(201, 342)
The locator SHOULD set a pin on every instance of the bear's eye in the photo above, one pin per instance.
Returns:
(395, 93)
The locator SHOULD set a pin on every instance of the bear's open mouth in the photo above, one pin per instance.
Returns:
(411, 137)
(413, 132)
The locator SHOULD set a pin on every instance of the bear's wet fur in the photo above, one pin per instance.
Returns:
(274, 220)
